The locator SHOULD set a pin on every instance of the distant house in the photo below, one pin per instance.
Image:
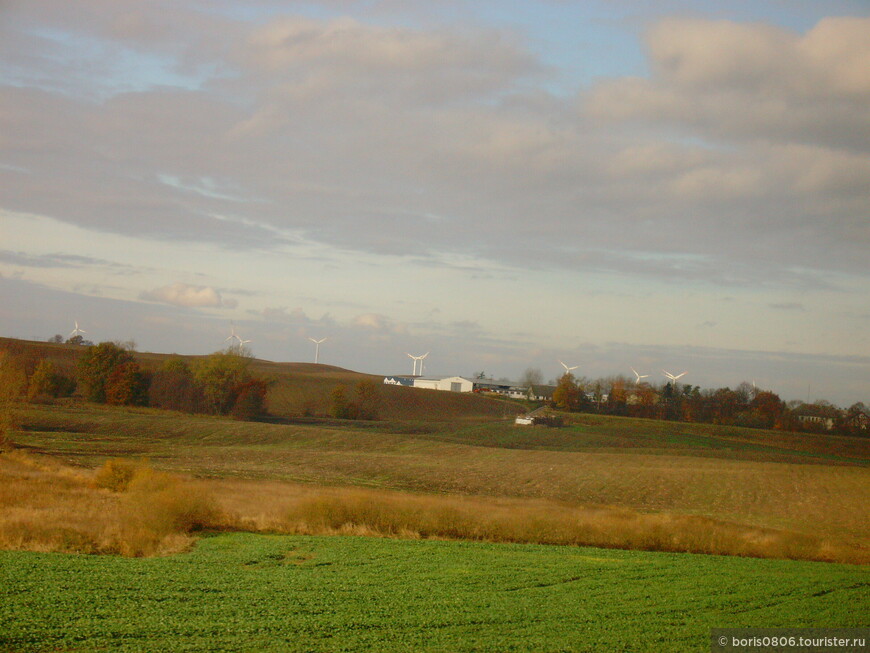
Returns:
(817, 416)
(407, 381)
(540, 392)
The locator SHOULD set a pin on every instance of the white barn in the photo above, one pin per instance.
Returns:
(449, 384)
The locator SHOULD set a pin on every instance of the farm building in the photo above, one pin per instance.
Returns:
(450, 383)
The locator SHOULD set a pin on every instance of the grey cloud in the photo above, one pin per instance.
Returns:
(436, 143)
(60, 260)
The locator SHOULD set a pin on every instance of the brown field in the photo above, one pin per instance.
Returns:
(52, 507)
(256, 474)
(435, 465)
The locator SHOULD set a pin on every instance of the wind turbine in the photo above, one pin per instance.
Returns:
(416, 360)
(76, 332)
(568, 369)
(317, 348)
(639, 376)
(232, 335)
(674, 378)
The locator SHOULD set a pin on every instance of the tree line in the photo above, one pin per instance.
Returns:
(108, 373)
(745, 405)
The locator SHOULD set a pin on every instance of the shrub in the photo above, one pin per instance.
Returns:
(115, 475)
(159, 509)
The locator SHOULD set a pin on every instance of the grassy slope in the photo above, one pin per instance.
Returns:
(249, 592)
(300, 388)
(719, 477)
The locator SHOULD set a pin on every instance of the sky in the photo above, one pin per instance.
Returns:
(680, 186)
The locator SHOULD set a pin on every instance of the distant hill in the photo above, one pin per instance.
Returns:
(303, 389)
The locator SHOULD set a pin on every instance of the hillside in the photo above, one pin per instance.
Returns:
(302, 389)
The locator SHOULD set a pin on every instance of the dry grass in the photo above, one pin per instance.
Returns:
(286, 508)
(50, 507)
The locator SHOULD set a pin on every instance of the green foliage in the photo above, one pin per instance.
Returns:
(46, 383)
(220, 376)
(42, 382)
(293, 593)
(95, 367)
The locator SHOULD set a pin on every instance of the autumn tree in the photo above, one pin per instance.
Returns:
(340, 406)
(126, 385)
(368, 399)
(173, 387)
(567, 395)
(767, 408)
(95, 367)
(250, 400)
(12, 383)
(219, 377)
(46, 383)
(532, 377)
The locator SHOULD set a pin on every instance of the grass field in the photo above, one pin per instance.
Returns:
(806, 485)
(439, 517)
(293, 593)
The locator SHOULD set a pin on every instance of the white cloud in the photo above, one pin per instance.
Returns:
(182, 294)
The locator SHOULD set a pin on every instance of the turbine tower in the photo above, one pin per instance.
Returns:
(232, 335)
(416, 360)
(317, 348)
(639, 376)
(76, 332)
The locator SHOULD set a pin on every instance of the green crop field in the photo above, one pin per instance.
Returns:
(294, 593)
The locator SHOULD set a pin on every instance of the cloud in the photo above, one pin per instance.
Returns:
(182, 294)
(735, 80)
(59, 260)
(788, 306)
(738, 156)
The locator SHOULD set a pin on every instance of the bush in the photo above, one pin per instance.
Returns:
(115, 475)
(158, 510)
